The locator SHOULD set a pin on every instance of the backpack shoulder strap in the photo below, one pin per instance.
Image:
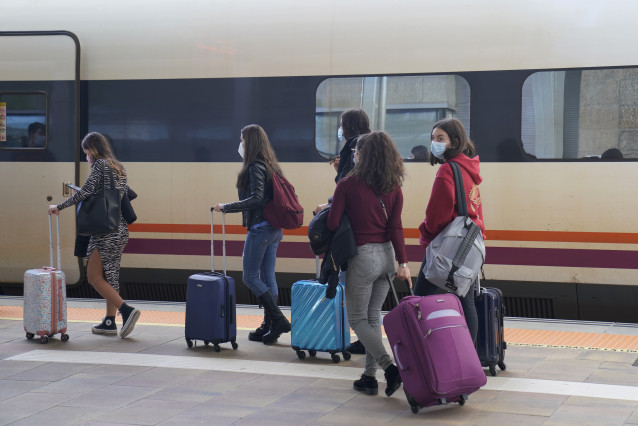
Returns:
(461, 202)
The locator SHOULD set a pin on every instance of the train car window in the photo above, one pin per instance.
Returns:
(23, 120)
(406, 107)
(581, 114)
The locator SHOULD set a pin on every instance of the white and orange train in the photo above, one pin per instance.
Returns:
(545, 88)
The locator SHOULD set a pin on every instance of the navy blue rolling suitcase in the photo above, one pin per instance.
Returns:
(317, 323)
(490, 342)
(210, 304)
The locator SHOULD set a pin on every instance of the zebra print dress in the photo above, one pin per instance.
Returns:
(109, 246)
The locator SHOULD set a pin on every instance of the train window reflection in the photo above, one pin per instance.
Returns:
(406, 107)
(23, 119)
(585, 114)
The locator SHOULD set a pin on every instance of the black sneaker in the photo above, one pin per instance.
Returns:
(367, 384)
(393, 379)
(129, 318)
(356, 348)
(107, 327)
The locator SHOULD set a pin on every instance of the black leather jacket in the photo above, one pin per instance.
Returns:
(252, 199)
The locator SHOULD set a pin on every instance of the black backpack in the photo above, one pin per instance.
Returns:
(318, 232)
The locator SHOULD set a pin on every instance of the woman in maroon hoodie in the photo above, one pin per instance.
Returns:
(450, 143)
(371, 197)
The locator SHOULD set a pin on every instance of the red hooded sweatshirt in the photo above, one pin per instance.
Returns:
(442, 207)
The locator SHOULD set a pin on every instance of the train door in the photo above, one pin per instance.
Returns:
(39, 149)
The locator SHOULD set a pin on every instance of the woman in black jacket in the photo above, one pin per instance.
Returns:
(254, 184)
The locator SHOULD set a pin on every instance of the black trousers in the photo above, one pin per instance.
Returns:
(424, 287)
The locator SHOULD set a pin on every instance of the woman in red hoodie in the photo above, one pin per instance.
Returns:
(450, 143)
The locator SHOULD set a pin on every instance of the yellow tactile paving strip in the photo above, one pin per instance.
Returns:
(544, 338)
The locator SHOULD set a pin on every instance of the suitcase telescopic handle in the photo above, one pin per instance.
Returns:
(390, 278)
(212, 249)
(57, 223)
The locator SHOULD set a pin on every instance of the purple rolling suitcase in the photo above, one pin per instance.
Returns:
(44, 311)
(210, 303)
(434, 351)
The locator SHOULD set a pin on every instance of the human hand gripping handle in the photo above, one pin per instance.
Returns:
(219, 207)
(53, 209)
(403, 273)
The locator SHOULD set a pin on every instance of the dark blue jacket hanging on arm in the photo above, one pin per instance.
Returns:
(341, 248)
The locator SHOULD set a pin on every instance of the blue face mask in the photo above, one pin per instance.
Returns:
(340, 134)
(438, 149)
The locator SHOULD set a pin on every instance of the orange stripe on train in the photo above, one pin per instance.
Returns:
(494, 235)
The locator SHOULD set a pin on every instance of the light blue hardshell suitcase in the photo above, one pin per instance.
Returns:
(319, 324)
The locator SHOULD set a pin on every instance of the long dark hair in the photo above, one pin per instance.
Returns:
(99, 148)
(354, 122)
(380, 165)
(459, 142)
(256, 147)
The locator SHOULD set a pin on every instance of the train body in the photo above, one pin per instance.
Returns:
(543, 87)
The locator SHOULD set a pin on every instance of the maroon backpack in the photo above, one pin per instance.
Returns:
(284, 210)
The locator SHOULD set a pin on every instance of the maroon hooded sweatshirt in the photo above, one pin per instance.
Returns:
(442, 207)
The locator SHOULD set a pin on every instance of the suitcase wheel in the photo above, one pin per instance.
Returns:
(234, 344)
(346, 355)
(312, 352)
(462, 399)
(44, 339)
(335, 358)
(217, 348)
(30, 335)
(492, 370)
(301, 355)
(414, 406)
(501, 365)
(64, 337)
(189, 343)
(206, 342)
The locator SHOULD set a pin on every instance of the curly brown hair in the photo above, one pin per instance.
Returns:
(379, 165)
(257, 147)
(99, 148)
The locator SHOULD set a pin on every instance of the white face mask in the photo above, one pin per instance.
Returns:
(438, 149)
(241, 150)
(340, 134)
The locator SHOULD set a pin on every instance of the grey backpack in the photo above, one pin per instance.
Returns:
(456, 255)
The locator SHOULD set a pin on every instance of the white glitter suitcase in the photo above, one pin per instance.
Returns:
(44, 311)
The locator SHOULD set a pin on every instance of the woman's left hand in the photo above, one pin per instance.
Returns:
(218, 207)
(53, 209)
(404, 274)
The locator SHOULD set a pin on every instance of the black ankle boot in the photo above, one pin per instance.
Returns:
(393, 379)
(258, 334)
(367, 384)
(279, 323)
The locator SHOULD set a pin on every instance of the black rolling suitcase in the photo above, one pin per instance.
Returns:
(490, 343)
(210, 303)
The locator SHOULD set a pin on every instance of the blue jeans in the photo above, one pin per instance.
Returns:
(260, 255)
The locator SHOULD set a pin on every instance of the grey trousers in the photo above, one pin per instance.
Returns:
(366, 290)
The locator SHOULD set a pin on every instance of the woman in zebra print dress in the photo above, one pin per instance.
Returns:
(105, 250)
